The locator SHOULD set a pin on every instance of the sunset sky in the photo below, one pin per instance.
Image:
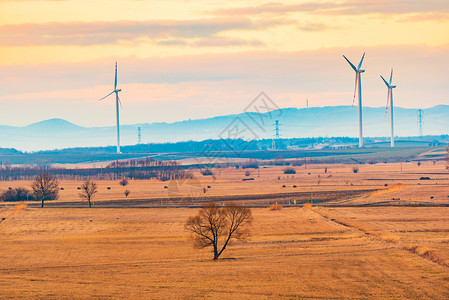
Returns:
(194, 59)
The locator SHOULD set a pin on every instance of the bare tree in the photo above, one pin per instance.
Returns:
(88, 190)
(123, 182)
(126, 192)
(215, 226)
(45, 187)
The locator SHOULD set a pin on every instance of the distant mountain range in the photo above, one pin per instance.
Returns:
(307, 122)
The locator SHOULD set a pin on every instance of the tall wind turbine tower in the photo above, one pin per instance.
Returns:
(358, 82)
(390, 99)
(117, 102)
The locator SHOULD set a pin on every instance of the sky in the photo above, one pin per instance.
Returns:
(186, 59)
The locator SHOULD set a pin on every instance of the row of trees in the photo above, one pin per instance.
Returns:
(136, 169)
(46, 187)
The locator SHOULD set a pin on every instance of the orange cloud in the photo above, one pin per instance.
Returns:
(97, 33)
(354, 7)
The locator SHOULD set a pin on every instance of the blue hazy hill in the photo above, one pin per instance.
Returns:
(294, 122)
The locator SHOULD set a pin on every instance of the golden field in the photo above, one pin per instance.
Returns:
(372, 183)
(296, 252)
(354, 253)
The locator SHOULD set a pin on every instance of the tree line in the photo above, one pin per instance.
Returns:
(135, 169)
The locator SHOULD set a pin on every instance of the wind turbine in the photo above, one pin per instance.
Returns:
(117, 102)
(390, 100)
(358, 79)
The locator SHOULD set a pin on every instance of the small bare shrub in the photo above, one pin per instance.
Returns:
(16, 194)
(289, 170)
(123, 182)
(251, 164)
(355, 170)
(207, 172)
(297, 163)
(88, 190)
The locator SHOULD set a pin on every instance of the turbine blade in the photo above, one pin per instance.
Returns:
(120, 102)
(361, 61)
(384, 81)
(352, 66)
(115, 82)
(391, 75)
(106, 96)
(355, 88)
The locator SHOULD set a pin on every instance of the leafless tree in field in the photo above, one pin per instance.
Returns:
(88, 190)
(215, 226)
(123, 182)
(45, 187)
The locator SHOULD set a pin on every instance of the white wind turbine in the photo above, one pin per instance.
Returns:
(117, 102)
(358, 79)
(390, 100)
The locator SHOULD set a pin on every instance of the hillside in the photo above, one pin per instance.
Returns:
(310, 122)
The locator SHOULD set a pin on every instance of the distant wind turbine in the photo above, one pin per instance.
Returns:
(117, 102)
(358, 79)
(390, 100)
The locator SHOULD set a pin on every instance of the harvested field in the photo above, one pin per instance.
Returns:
(293, 252)
(337, 184)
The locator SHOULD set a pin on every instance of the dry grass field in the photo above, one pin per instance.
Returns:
(372, 183)
(296, 252)
(355, 253)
